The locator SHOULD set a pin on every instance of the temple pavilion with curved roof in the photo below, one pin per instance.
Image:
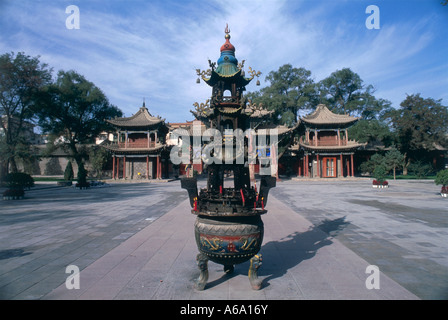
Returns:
(326, 150)
(139, 150)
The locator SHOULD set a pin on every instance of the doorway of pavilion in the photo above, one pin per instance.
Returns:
(329, 165)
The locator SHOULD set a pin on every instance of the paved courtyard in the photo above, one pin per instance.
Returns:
(403, 230)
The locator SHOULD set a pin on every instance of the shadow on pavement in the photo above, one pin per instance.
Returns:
(297, 247)
(280, 256)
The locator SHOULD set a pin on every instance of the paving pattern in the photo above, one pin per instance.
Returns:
(135, 241)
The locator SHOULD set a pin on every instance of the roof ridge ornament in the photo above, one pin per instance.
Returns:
(227, 46)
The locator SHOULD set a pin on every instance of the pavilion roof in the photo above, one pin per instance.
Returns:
(323, 116)
(140, 119)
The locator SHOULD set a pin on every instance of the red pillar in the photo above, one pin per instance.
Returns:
(307, 159)
(341, 166)
(113, 167)
(160, 168)
(353, 171)
(118, 168)
(147, 167)
(347, 167)
(304, 166)
(124, 167)
(318, 166)
(157, 167)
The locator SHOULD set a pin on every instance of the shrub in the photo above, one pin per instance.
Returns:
(380, 173)
(19, 180)
(442, 177)
(68, 173)
(82, 177)
(420, 169)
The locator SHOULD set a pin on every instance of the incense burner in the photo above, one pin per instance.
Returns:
(228, 228)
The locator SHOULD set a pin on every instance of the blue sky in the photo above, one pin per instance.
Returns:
(150, 49)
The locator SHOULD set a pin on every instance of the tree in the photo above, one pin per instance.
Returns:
(421, 125)
(68, 173)
(82, 177)
(290, 90)
(442, 178)
(420, 168)
(75, 110)
(373, 131)
(344, 92)
(393, 159)
(21, 80)
(98, 158)
(379, 173)
(374, 161)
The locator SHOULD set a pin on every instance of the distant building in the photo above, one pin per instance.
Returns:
(173, 139)
(139, 149)
(27, 131)
(326, 151)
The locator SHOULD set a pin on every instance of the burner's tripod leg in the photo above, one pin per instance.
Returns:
(202, 262)
(255, 263)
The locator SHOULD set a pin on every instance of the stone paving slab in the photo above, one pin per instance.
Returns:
(300, 261)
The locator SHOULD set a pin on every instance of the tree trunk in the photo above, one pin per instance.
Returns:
(405, 165)
(12, 165)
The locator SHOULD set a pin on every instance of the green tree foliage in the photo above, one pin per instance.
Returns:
(420, 168)
(344, 92)
(290, 90)
(379, 173)
(68, 173)
(82, 176)
(21, 80)
(98, 158)
(393, 159)
(374, 161)
(421, 125)
(374, 132)
(75, 109)
(19, 180)
(442, 177)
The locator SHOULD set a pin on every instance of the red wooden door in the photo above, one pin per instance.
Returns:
(329, 167)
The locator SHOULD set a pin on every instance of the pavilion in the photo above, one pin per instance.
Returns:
(139, 150)
(326, 151)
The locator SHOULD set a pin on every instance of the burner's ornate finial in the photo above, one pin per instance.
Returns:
(227, 30)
